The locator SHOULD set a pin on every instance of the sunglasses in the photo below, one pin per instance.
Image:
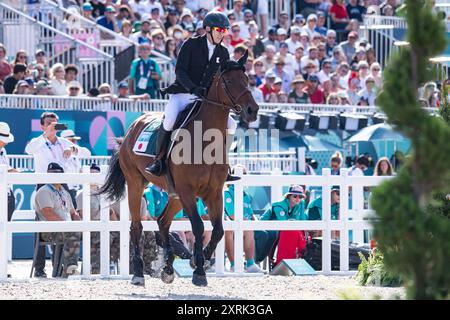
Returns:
(236, 30)
(159, 38)
(23, 57)
(363, 67)
(220, 30)
(376, 69)
(296, 196)
(77, 89)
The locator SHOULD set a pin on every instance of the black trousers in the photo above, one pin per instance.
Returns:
(40, 258)
(264, 241)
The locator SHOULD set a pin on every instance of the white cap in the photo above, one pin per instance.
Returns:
(69, 134)
(281, 31)
(311, 17)
(5, 133)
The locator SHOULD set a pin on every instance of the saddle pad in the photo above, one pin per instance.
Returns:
(146, 142)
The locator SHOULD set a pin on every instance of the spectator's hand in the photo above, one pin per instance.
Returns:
(50, 130)
(114, 99)
(67, 153)
(145, 96)
(75, 216)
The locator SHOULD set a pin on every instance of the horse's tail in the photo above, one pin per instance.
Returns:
(114, 187)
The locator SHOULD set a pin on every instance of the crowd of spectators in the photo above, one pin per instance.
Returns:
(317, 57)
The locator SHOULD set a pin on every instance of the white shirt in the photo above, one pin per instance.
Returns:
(73, 164)
(356, 172)
(3, 158)
(45, 152)
(211, 48)
(257, 94)
(323, 76)
(245, 33)
(58, 87)
(292, 45)
(142, 7)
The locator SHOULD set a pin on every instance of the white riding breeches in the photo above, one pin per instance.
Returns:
(177, 103)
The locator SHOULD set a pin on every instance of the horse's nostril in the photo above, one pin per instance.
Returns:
(249, 110)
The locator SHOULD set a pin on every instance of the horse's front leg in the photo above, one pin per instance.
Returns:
(215, 210)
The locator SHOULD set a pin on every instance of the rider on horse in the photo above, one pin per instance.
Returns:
(198, 61)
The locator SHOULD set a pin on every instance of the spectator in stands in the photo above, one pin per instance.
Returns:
(7, 137)
(143, 35)
(361, 165)
(22, 87)
(238, 52)
(145, 73)
(282, 35)
(237, 10)
(282, 97)
(5, 67)
(306, 7)
(43, 88)
(283, 21)
(353, 25)
(222, 6)
(11, 81)
(330, 42)
(387, 11)
(267, 86)
(2, 90)
(375, 72)
(158, 40)
(123, 15)
(335, 86)
(311, 57)
(292, 207)
(343, 96)
(71, 73)
(339, 17)
(321, 23)
(310, 69)
(249, 240)
(126, 29)
(37, 72)
(245, 23)
(349, 46)
(258, 68)
(326, 71)
(360, 55)
(294, 41)
(109, 20)
(363, 72)
(336, 163)
(321, 53)
(333, 99)
(87, 10)
(99, 8)
(58, 82)
(391, 3)
(171, 50)
(123, 92)
(355, 10)
(172, 19)
(53, 203)
(298, 95)
(383, 167)
(313, 90)
(298, 21)
(255, 41)
(268, 57)
(21, 57)
(271, 39)
(289, 60)
(74, 89)
(255, 91)
(236, 38)
(354, 86)
(310, 27)
(369, 93)
(344, 74)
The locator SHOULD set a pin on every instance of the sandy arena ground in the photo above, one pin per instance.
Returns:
(261, 287)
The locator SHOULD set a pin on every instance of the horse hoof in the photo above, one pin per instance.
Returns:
(167, 278)
(138, 281)
(199, 281)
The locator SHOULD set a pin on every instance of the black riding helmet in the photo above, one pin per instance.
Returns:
(216, 19)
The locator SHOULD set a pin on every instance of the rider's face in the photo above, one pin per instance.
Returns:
(217, 35)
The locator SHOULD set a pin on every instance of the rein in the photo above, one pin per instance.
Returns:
(237, 108)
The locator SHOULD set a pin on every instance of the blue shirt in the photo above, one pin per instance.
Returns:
(105, 23)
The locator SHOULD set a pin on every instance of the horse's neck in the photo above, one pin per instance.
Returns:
(213, 116)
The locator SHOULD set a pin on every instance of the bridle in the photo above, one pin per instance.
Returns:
(237, 108)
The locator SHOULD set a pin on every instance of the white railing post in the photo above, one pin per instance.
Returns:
(124, 237)
(104, 234)
(237, 225)
(86, 218)
(301, 159)
(343, 217)
(358, 208)
(326, 217)
(220, 253)
(3, 222)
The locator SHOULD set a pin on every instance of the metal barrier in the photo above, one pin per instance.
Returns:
(354, 219)
(95, 65)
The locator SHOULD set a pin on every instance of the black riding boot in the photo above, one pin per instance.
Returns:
(157, 167)
(231, 177)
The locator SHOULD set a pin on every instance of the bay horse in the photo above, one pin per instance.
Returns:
(229, 91)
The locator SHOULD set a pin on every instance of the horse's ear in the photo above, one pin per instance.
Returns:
(243, 59)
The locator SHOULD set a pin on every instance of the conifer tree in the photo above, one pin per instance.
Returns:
(411, 233)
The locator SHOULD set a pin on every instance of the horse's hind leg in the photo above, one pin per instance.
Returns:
(214, 202)
(190, 207)
(134, 201)
(164, 222)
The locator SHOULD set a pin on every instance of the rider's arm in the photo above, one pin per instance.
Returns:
(182, 67)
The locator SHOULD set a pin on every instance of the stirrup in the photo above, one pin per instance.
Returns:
(232, 178)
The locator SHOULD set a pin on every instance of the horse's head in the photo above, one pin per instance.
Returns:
(232, 86)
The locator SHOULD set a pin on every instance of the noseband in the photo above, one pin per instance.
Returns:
(237, 108)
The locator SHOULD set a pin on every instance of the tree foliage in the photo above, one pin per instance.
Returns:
(413, 237)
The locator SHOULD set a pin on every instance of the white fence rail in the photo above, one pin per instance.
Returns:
(358, 215)
(264, 162)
